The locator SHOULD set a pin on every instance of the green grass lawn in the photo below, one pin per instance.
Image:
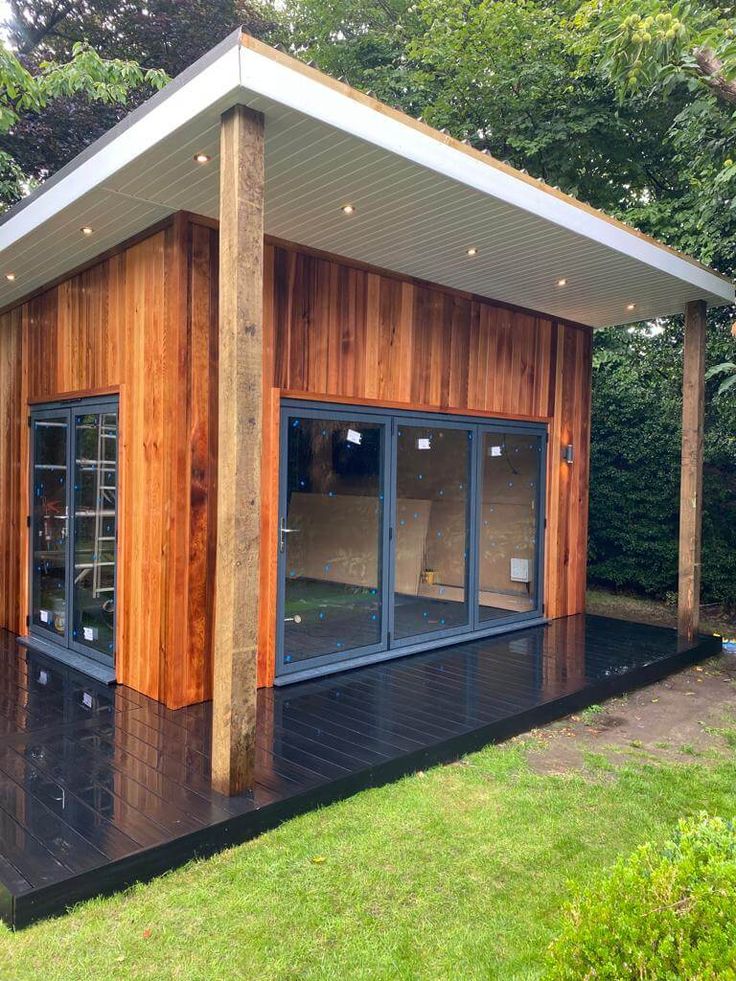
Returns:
(457, 873)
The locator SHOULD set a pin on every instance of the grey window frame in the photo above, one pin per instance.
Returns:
(69, 409)
(390, 648)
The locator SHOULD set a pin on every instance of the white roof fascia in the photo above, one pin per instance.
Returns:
(181, 104)
(281, 83)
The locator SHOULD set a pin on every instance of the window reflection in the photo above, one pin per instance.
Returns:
(50, 523)
(332, 537)
(431, 564)
(508, 524)
(95, 529)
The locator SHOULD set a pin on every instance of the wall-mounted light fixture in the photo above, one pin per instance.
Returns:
(568, 454)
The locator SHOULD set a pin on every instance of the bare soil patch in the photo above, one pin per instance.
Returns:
(714, 619)
(689, 715)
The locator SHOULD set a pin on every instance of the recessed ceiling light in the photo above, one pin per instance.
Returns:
(202, 158)
(348, 209)
(86, 229)
(562, 282)
(472, 251)
(10, 277)
(631, 306)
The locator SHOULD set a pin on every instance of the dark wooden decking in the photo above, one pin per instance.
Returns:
(101, 786)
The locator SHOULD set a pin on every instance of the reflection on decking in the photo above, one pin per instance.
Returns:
(100, 786)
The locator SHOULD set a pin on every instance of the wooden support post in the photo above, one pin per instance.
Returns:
(240, 424)
(691, 472)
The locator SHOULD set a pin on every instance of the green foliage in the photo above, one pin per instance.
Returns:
(85, 73)
(727, 368)
(626, 104)
(664, 913)
(635, 464)
(655, 44)
(166, 34)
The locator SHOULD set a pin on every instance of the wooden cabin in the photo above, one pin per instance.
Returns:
(292, 383)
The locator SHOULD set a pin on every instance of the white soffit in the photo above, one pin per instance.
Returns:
(420, 201)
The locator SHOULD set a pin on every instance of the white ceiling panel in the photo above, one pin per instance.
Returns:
(420, 202)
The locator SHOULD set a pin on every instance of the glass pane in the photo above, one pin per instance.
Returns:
(95, 529)
(50, 523)
(333, 544)
(431, 570)
(510, 474)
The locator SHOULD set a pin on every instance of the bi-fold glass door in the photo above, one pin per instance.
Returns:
(400, 532)
(73, 526)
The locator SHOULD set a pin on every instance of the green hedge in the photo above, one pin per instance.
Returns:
(635, 467)
(664, 913)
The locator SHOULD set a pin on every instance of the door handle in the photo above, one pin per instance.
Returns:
(283, 531)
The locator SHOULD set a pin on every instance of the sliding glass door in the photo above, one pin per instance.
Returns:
(50, 521)
(74, 526)
(402, 532)
(331, 537)
(509, 540)
(430, 566)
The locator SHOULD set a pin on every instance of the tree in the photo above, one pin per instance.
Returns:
(626, 104)
(99, 80)
(549, 87)
(654, 45)
(166, 35)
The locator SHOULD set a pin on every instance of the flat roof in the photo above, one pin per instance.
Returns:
(421, 199)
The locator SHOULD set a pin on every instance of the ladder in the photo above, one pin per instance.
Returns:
(106, 497)
(105, 503)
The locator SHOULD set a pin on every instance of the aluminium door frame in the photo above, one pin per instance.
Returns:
(540, 498)
(328, 664)
(68, 408)
(325, 663)
(41, 413)
(84, 407)
(435, 421)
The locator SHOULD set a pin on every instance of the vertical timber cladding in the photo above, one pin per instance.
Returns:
(139, 322)
(331, 330)
(343, 332)
(12, 476)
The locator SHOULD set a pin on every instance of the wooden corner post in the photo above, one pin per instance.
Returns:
(691, 471)
(240, 424)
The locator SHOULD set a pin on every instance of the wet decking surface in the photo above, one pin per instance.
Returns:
(101, 786)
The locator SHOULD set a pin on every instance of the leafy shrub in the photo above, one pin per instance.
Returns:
(665, 912)
(635, 465)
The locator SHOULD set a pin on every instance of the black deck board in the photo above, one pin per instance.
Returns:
(100, 786)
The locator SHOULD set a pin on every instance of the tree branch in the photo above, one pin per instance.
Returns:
(710, 69)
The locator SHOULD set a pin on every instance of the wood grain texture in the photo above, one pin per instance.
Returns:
(241, 362)
(144, 322)
(13, 431)
(691, 469)
(567, 484)
(351, 333)
(346, 333)
(138, 323)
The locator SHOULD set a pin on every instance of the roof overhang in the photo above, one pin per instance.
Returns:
(421, 198)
